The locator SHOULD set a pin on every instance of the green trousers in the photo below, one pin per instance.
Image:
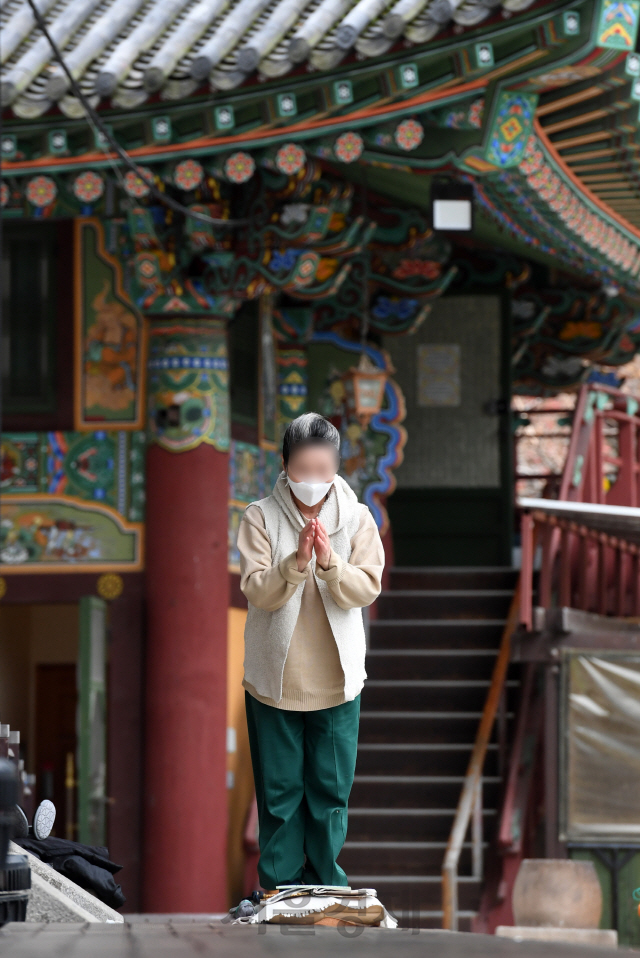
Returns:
(303, 766)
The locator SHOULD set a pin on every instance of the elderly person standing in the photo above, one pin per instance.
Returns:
(310, 559)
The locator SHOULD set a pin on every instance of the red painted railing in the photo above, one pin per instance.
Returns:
(582, 566)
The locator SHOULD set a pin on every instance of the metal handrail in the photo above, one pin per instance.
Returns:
(470, 805)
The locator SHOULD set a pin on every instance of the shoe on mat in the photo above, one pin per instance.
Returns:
(44, 819)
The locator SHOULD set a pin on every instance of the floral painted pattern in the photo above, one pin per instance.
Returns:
(290, 159)
(409, 134)
(41, 191)
(239, 167)
(4, 194)
(188, 175)
(88, 187)
(423, 268)
(134, 183)
(349, 147)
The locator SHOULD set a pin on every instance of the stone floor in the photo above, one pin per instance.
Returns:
(181, 937)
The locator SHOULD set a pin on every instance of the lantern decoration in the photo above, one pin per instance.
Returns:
(364, 387)
(348, 147)
(137, 184)
(409, 134)
(239, 167)
(41, 191)
(290, 159)
(88, 187)
(4, 194)
(188, 175)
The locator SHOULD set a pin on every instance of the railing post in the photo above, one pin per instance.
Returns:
(565, 567)
(601, 574)
(476, 833)
(583, 566)
(526, 574)
(620, 576)
(635, 582)
(449, 898)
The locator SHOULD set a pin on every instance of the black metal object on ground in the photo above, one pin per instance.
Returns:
(15, 874)
(188, 939)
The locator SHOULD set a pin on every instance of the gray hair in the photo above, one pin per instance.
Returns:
(309, 429)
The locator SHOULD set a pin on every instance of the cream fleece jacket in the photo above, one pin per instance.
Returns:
(313, 677)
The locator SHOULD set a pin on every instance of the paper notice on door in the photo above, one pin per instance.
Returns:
(439, 374)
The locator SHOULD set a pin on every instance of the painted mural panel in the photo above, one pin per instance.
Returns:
(253, 472)
(51, 533)
(512, 125)
(188, 384)
(292, 386)
(71, 500)
(369, 455)
(618, 24)
(109, 338)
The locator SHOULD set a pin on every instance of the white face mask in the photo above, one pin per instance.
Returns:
(310, 492)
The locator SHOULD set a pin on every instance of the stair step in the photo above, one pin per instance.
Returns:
(417, 892)
(420, 759)
(453, 577)
(413, 791)
(436, 696)
(432, 664)
(438, 634)
(432, 650)
(411, 858)
(419, 726)
(444, 604)
(406, 824)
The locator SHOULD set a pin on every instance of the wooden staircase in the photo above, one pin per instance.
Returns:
(431, 652)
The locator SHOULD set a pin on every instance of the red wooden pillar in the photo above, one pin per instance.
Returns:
(187, 601)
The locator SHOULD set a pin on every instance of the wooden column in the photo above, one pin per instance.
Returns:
(187, 602)
(125, 736)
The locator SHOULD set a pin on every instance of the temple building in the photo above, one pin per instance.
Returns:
(218, 215)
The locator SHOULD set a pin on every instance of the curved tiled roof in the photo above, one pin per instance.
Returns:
(128, 50)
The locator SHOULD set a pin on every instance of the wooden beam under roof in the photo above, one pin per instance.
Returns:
(580, 120)
(584, 139)
(567, 101)
(594, 154)
(612, 197)
(595, 167)
(606, 178)
(613, 188)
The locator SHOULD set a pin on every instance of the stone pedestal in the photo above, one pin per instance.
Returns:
(557, 893)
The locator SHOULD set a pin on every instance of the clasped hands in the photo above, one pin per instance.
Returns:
(313, 536)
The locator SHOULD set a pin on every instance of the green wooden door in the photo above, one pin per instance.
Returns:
(92, 733)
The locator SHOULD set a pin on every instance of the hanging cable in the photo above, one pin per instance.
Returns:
(94, 118)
